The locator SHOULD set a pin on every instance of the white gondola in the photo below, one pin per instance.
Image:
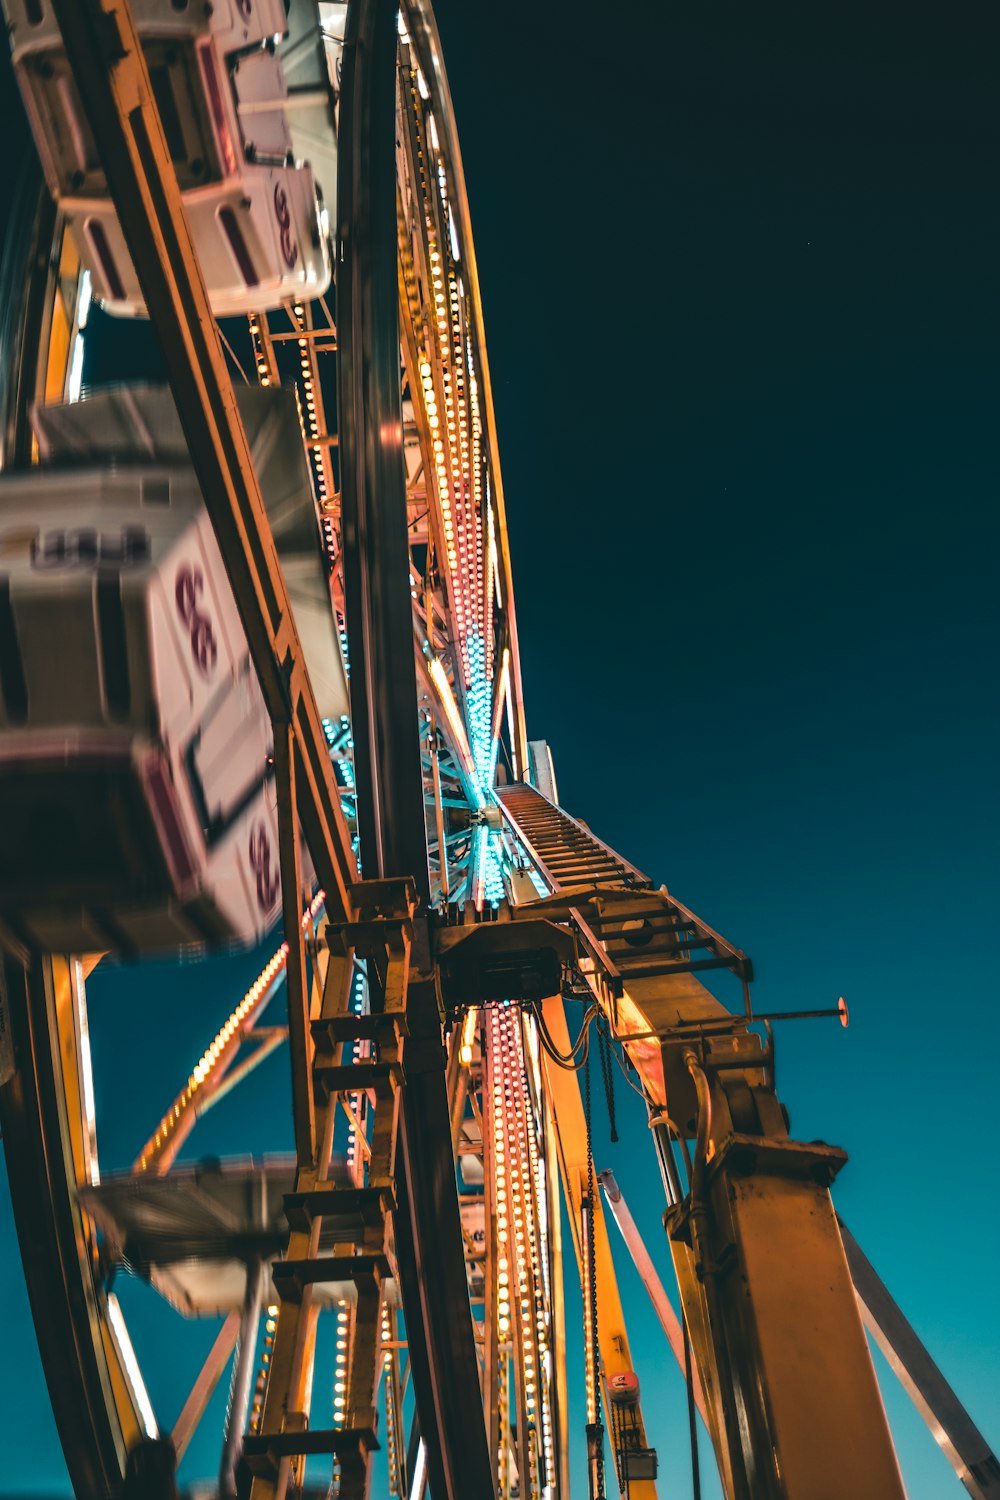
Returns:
(219, 78)
(136, 786)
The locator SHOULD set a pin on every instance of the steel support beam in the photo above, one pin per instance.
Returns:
(203, 1389)
(562, 1088)
(384, 715)
(431, 1256)
(964, 1446)
(669, 1321)
(372, 476)
(239, 1391)
(299, 1040)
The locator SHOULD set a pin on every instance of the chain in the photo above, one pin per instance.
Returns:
(622, 1431)
(604, 1049)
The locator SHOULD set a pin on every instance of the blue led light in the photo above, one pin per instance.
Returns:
(340, 740)
(479, 700)
(494, 889)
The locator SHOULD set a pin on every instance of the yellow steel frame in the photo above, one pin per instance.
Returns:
(793, 1403)
(570, 1129)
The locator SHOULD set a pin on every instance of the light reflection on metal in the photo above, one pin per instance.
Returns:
(447, 699)
(91, 1168)
(419, 1485)
(130, 1365)
(75, 381)
(468, 1037)
(500, 697)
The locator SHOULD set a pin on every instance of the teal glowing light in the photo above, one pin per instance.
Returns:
(479, 702)
(493, 886)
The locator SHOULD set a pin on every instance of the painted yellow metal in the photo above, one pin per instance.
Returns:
(67, 1024)
(287, 1407)
(300, 1044)
(288, 1395)
(558, 1311)
(793, 1402)
(57, 363)
(801, 1342)
(563, 1090)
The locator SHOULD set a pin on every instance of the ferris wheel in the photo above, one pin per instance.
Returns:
(259, 661)
(452, 698)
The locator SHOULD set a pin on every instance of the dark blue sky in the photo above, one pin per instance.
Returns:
(739, 276)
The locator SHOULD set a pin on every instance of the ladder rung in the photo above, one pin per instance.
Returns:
(558, 862)
(625, 953)
(642, 904)
(685, 966)
(668, 938)
(568, 862)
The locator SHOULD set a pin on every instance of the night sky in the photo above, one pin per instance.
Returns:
(739, 277)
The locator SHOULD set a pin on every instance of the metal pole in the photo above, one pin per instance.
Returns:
(654, 1286)
(204, 1387)
(239, 1391)
(963, 1444)
(376, 554)
(439, 812)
